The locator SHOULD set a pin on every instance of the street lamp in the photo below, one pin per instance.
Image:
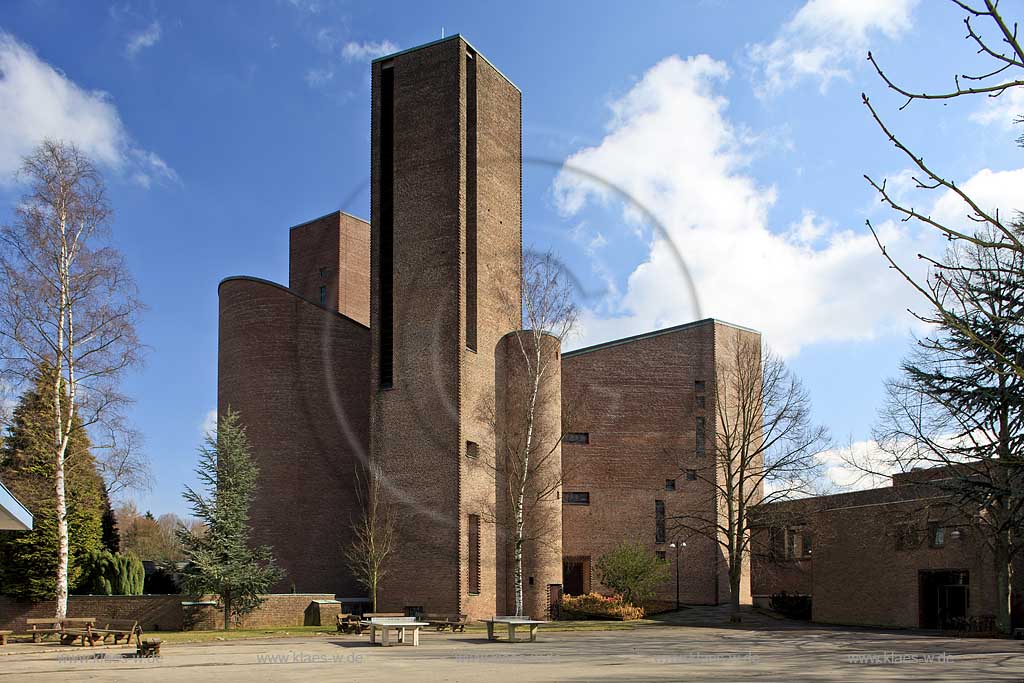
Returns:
(678, 547)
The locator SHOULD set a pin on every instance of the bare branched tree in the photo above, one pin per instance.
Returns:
(527, 447)
(762, 451)
(981, 225)
(373, 534)
(958, 405)
(68, 307)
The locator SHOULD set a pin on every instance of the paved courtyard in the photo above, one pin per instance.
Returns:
(759, 651)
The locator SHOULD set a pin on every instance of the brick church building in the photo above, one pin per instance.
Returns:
(390, 341)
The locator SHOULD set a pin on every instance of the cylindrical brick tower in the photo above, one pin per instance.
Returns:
(537, 452)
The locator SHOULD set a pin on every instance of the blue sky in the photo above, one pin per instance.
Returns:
(739, 124)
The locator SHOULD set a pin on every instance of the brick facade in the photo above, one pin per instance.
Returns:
(638, 401)
(297, 375)
(421, 390)
(861, 568)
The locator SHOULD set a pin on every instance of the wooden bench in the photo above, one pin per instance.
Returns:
(79, 627)
(3, 637)
(40, 628)
(348, 623)
(150, 647)
(456, 622)
(118, 629)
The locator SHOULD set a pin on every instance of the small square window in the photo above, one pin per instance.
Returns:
(472, 450)
(323, 296)
(670, 484)
(698, 385)
(577, 437)
(577, 498)
(691, 475)
(660, 554)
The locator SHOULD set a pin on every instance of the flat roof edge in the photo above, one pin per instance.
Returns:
(328, 215)
(15, 507)
(454, 36)
(654, 333)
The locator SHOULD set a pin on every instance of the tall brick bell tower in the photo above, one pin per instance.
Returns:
(446, 246)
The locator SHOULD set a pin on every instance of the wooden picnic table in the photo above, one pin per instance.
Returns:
(69, 629)
(399, 624)
(512, 623)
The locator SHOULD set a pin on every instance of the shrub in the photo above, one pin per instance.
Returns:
(792, 606)
(597, 606)
(632, 571)
(106, 573)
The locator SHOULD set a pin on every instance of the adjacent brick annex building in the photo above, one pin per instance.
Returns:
(391, 342)
(897, 556)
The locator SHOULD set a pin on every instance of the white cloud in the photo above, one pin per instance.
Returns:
(860, 465)
(671, 147)
(37, 101)
(318, 77)
(367, 51)
(148, 37)
(1001, 111)
(823, 39)
(209, 422)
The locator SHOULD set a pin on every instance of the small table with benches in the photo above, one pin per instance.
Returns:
(512, 623)
(68, 630)
(399, 624)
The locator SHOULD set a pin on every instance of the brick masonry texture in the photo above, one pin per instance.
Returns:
(420, 427)
(297, 375)
(332, 251)
(306, 377)
(637, 400)
(160, 612)
(856, 575)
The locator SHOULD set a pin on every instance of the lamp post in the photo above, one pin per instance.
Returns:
(678, 547)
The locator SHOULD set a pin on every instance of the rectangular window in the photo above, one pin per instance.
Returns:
(660, 554)
(790, 544)
(323, 273)
(659, 521)
(936, 535)
(775, 543)
(670, 484)
(699, 446)
(323, 296)
(907, 537)
(474, 553)
(806, 544)
(472, 450)
(471, 236)
(691, 475)
(698, 386)
(577, 498)
(700, 401)
(577, 437)
(387, 243)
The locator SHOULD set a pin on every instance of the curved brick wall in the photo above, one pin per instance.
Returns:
(299, 377)
(542, 554)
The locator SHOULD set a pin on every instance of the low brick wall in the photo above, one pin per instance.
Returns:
(161, 612)
(155, 612)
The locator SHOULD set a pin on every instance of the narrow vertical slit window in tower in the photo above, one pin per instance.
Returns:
(474, 554)
(471, 271)
(387, 243)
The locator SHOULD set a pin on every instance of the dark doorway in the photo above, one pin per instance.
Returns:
(554, 601)
(576, 575)
(944, 598)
